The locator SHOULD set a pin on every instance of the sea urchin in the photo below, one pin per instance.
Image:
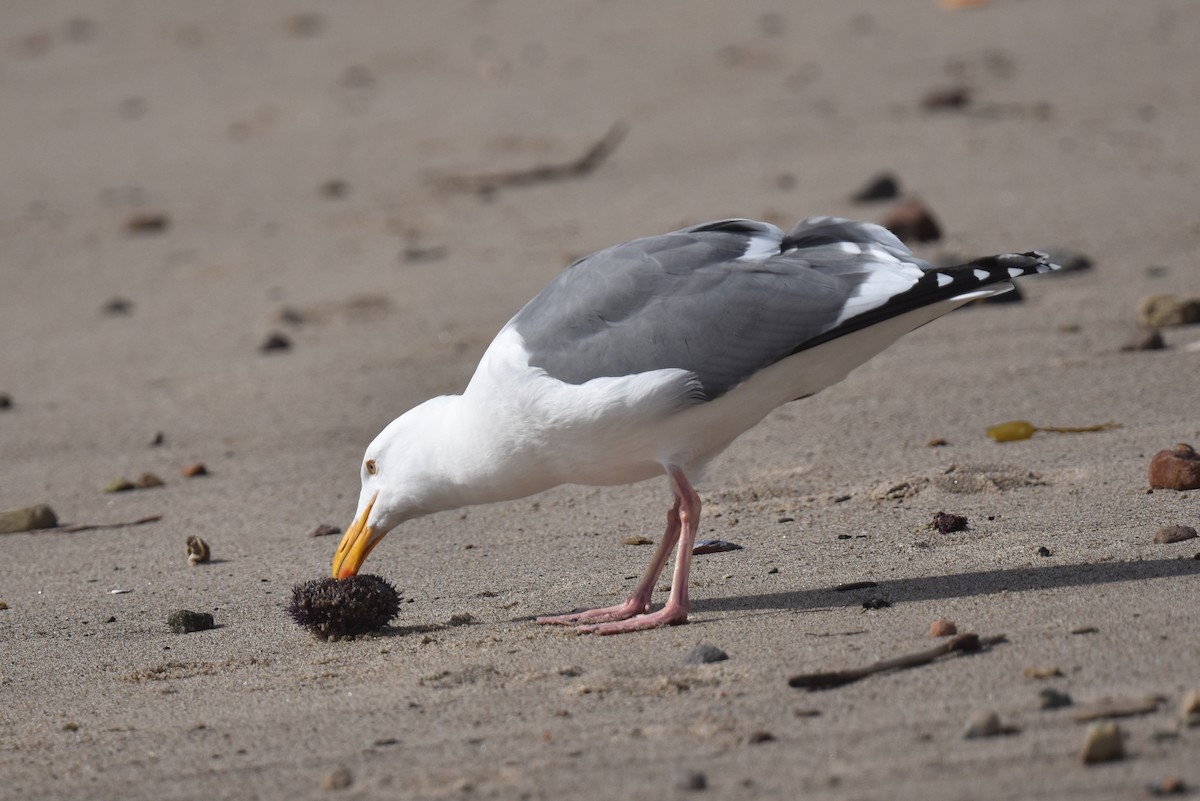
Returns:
(331, 608)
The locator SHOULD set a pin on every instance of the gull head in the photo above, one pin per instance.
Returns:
(401, 480)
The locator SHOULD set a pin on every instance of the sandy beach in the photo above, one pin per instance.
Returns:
(181, 182)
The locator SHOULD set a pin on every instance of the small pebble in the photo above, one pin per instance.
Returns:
(3, 606)
(937, 442)
(1043, 551)
(149, 481)
(1051, 698)
(1150, 339)
(1043, 672)
(415, 255)
(946, 98)
(704, 654)
(946, 523)
(1161, 311)
(637, 541)
(942, 628)
(986, 724)
(305, 24)
(159, 438)
(193, 470)
(275, 341)
(28, 518)
(693, 781)
(119, 485)
(714, 546)
(876, 603)
(1177, 469)
(5, 401)
(325, 530)
(1102, 743)
(118, 307)
(337, 779)
(1171, 785)
(760, 736)
(882, 187)
(1169, 534)
(291, 316)
(184, 621)
(1189, 708)
(335, 189)
(912, 221)
(147, 223)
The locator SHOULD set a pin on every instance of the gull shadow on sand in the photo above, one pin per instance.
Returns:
(960, 585)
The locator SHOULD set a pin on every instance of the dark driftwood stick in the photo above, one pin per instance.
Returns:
(94, 526)
(964, 643)
(583, 165)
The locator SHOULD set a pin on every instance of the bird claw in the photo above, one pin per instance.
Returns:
(606, 614)
(629, 616)
(663, 617)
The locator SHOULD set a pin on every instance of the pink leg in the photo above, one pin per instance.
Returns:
(632, 615)
(639, 602)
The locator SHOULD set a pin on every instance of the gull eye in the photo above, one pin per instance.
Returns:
(371, 468)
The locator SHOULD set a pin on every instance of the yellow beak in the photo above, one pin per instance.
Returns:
(356, 543)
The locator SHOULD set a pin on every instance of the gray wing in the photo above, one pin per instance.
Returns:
(721, 300)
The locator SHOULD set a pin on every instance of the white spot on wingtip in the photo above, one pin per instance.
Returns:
(1013, 272)
(944, 279)
(981, 274)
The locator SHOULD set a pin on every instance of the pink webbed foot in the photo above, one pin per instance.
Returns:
(605, 614)
(634, 614)
(667, 616)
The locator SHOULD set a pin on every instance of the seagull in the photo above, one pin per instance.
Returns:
(648, 359)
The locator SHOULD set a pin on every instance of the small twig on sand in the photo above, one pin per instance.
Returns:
(963, 643)
(488, 183)
(94, 526)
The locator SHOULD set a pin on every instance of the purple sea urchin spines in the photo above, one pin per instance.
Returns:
(332, 608)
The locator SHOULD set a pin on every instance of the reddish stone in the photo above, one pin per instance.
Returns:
(1177, 469)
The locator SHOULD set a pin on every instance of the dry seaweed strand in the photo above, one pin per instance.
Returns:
(1023, 429)
(490, 182)
(963, 643)
(95, 526)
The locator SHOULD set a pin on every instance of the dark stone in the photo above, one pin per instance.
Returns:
(118, 307)
(882, 187)
(912, 221)
(275, 341)
(1146, 339)
(184, 621)
(946, 523)
(946, 98)
(704, 654)
(1050, 698)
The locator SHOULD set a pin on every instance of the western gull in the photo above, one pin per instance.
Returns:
(650, 358)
